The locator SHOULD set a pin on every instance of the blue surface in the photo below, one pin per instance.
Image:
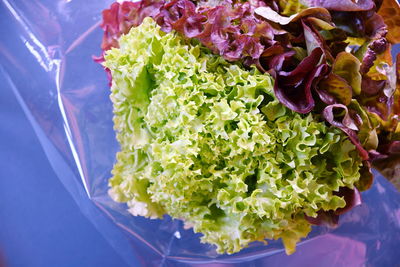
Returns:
(40, 224)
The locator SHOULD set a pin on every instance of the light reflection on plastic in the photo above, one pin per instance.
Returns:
(48, 64)
(36, 55)
(67, 129)
(37, 50)
(177, 234)
(380, 188)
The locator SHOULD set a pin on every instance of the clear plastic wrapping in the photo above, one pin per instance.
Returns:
(46, 54)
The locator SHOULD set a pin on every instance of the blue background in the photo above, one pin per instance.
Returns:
(40, 224)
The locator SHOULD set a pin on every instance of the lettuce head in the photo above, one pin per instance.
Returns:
(206, 141)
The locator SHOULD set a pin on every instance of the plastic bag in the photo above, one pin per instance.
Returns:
(46, 56)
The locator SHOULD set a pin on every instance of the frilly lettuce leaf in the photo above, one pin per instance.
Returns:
(206, 141)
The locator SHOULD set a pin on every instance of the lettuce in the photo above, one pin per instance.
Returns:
(206, 141)
(320, 53)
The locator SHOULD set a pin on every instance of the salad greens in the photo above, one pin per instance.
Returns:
(323, 55)
(251, 120)
(207, 141)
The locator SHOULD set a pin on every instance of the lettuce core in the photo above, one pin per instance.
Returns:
(206, 141)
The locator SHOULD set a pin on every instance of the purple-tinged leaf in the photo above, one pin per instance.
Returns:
(271, 15)
(396, 95)
(294, 88)
(273, 57)
(374, 99)
(330, 218)
(324, 218)
(346, 124)
(342, 5)
(352, 198)
(366, 176)
(337, 87)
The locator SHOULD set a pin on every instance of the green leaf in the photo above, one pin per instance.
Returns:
(321, 24)
(337, 87)
(290, 7)
(367, 130)
(347, 66)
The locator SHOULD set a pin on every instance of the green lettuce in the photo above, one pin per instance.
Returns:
(206, 141)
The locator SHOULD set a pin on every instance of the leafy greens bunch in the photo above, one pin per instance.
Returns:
(250, 120)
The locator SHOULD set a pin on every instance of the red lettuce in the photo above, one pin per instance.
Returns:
(294, 88)
(342, 5)
(230, 31)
